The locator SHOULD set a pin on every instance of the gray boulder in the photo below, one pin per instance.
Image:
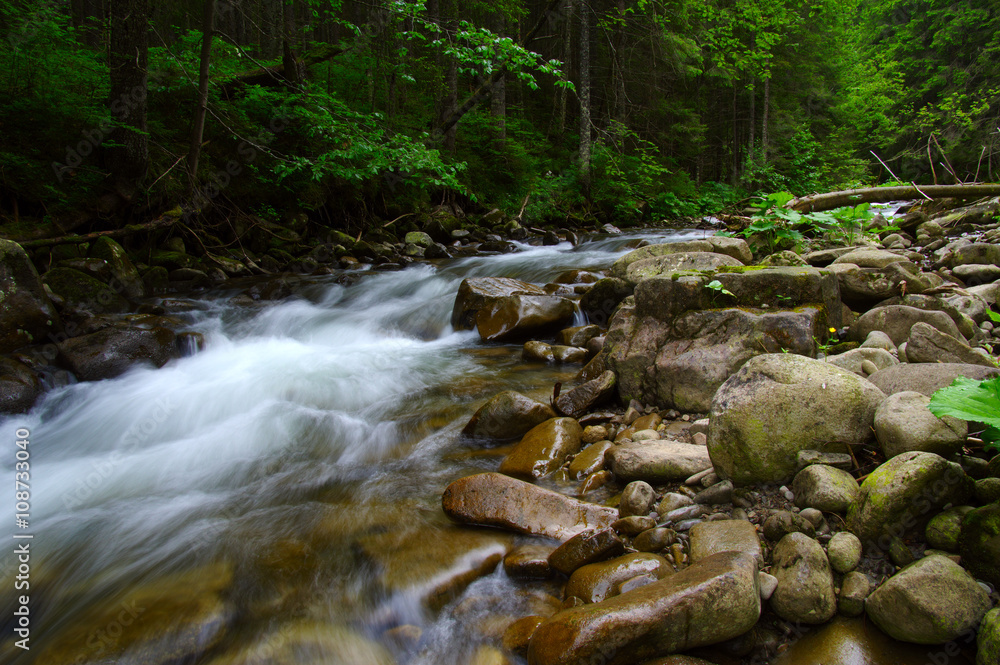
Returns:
(927, 344)
(988, 639)
(779, 404)
(657, 461)
(931, 601)
(824, 488)
(904, 423)
(507, 415)
(896, 321)
(805, 590)
(111, 351)
(926, 378)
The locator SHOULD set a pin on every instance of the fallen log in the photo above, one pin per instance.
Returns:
(160, 222)
(275, 75)
(850, 197)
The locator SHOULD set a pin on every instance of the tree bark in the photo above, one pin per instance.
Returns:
(567, 50)
(450, 11)
(198, 127)
(765, 113)
(128, 159)
(584, 97)
(291, 67)
(160, 222)
(498, 101)
(831, 200)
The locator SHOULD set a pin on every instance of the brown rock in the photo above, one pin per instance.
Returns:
(596, 582)
(528, 562)
(583, 398)
(543, 449)
(586, 547)
(507, 415)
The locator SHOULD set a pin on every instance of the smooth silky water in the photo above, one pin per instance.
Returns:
(275, 498)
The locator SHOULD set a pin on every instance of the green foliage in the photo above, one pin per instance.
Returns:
(717, 286)
(975, 401)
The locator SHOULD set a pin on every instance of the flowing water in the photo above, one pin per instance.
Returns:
(275, 498)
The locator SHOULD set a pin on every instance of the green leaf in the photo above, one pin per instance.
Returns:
(968, 399)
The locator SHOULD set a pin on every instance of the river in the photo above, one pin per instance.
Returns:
(275, 498)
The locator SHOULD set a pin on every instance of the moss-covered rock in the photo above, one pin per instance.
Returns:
(111, 351)
(126, 277)
(979, 543)
(27, 316)
(83, 293)
(19, 386)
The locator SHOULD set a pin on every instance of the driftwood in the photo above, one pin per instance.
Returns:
(848, 197)
(160, 222)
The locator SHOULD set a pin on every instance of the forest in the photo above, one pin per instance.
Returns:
(566, 112)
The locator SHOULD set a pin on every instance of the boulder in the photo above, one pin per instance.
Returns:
(125, 278)
(943, 303)
(844, 552)
(493, 499)
(945, 529)
(779, 404)
(620, 267)
(500, 307)
(931, 601)
(111, 351)
(584, 548)
(589, 460)
(853, 360)
(901, 496)
(655, 540)
(543, 449)
(979, 543)
(27, 316)
(738, 248)
(896, 321)
(596, 582)
(824, 488)
(601, 301)
(927, 378)
(637, 499)
(783, 522)
(870, 258)
(644, 269)
(708, 538)
(978, 253)
(927, 344)
(903, 423)
(19, 386)
(657, 461)
(988, 639)
(786, 258)
(585, 397)
(805, 590)
(706, 603)
(578, 336)
(297, 640)
(507, 415)
(854, 591)
(539, 352)
(528, 562)
(83, 293)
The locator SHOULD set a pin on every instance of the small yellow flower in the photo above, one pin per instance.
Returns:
(833, 330)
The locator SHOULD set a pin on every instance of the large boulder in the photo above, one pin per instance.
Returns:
(708, 538)
(902, 495)
(805, 590)
(601, 301)
(83, 293)
(543, 449)
(824, 488)
(657, 461)
(931, 601)
(988, 640)
(111, 351)
(583, 398)
(779, 404)
(642, 270)
(497, 500)
(27, 316)
(19, 386)
(927, 378)
(896, 321)
(979, 253)
(979, 543)
(504, 308)
(711, 601)
(507, 415)
(620, 267)
(124, 276)
(904, 423)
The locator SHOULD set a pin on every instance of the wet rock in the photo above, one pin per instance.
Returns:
(637, 423)
(594, 433)
(903, 423)
(539, 352)
(620, 267)
(672, 501)
(543, 449)
(710, 538)
(645, 269)
(988, 639)
(901, 496)
(308, 642)
(655, 540)
(847, 641)
(714, 495)
(805, 583)
(589, 460)
(27, 316)
(19, 386)
(578, 336)
(844, 552)
(596, 582)
(897, 320)
(600, 302)
(528, 562)
(853, 592)
(930, 601)
(500, 307)
(944, 529)
(518, 634)
(637, 499)
(493, 499)
(111, 351)
(783, 522)
(568, 354)
(84, 294)
(706, 603)
(587, 547)
(779, 404)
(853, 360)
(633, 525)
(825, 488)
(926, 378)
(927, 344)
(585, 397)
(507, 415)
(657, 461)
(979, 543)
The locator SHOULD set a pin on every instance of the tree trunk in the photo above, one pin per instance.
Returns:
(584, 96)
(450, 11)
(128, 160)
(618, 65)
(198, 128)
(562, 93)
(292, 67)
(831, 200)
(498, 102)
(764, 120)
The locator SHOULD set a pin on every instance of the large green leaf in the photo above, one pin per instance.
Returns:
(968, 399)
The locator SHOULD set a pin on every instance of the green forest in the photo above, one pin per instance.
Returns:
(566, 112)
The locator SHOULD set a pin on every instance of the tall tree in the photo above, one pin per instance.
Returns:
(198, 127)
(584, 92)
(128, 156)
